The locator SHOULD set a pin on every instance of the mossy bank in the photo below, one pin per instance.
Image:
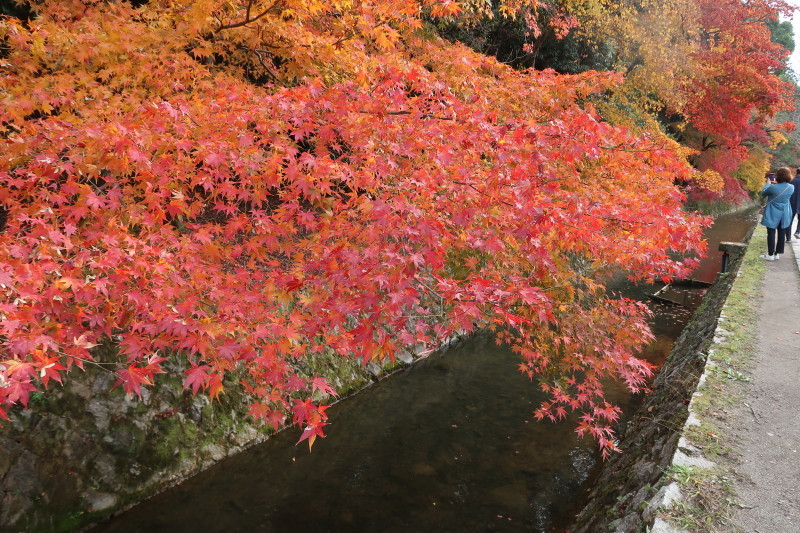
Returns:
(85, 450)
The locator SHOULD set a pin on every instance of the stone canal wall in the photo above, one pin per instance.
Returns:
(634, 485)
(85, 450)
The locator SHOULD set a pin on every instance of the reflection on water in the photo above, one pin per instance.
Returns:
(448, 445)
(687, 297)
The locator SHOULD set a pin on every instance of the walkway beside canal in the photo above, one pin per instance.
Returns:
(768, 428)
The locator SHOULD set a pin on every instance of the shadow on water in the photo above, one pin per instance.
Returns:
(448, 445)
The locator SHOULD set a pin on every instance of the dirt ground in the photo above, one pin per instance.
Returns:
(767, 425)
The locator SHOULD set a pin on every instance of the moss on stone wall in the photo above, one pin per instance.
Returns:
(85, 450)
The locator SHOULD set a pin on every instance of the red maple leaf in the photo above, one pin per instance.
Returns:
(196, 377)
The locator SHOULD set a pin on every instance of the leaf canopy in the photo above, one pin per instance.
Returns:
(246, 184)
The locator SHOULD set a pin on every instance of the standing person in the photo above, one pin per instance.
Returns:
(777, 213)
(794, 203)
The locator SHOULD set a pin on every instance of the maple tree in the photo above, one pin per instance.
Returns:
(737, 65)
(709, 68)
(736, 91)
(244, 184)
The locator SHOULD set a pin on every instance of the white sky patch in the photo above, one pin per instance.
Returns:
(794, 61)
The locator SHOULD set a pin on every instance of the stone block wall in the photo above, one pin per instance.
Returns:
(84, 450)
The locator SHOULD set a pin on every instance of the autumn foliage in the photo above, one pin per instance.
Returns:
(242, 185)
(704, 70)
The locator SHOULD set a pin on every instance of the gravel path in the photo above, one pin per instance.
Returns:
(768, 425)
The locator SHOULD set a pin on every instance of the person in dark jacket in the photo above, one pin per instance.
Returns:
(777, 213)
(794, 204)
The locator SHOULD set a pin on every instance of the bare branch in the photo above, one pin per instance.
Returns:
(394, 113)
(258, 52)
(248, 19)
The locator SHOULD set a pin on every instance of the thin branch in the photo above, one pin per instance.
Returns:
(343, 39)
(258, 52)
(618, 147)
(248, 19)
(471, 186)
(394, 113)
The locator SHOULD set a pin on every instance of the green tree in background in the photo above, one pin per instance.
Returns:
(782, 33)
(787, 151)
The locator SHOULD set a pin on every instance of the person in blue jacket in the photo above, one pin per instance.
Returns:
(777, 213)
(794, 203)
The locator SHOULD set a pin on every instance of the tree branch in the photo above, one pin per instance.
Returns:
(247, 18)
(394, 113)
(258, 53)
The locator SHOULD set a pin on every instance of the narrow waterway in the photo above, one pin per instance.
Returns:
(447, 445)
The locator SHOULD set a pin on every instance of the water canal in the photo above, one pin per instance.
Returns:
(447, 445)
